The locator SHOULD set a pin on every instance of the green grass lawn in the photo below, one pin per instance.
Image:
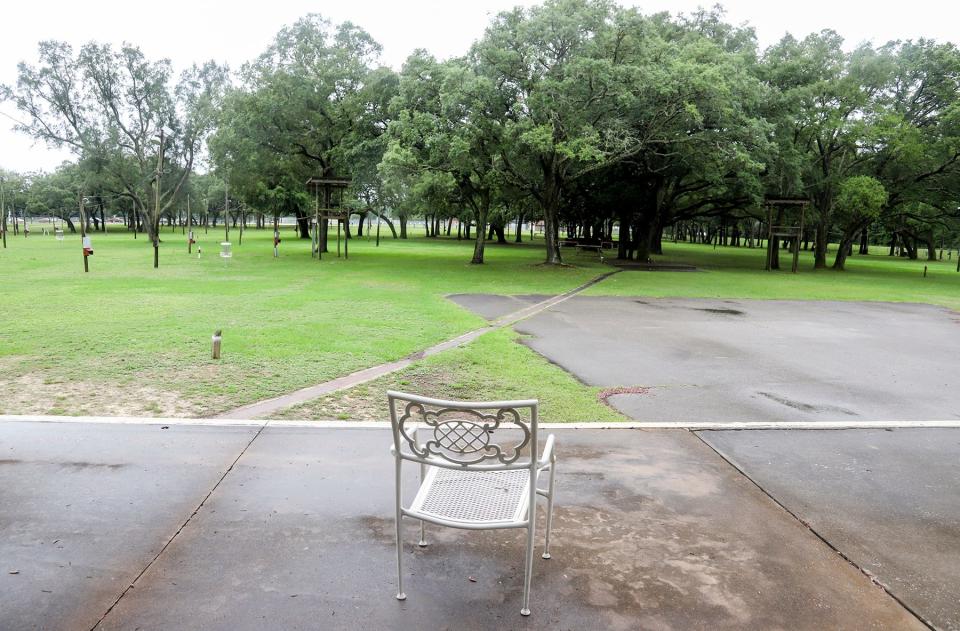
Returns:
(496, 366)
(738, 273)
(128, 339)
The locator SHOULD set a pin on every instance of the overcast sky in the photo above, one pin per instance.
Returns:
(196, 30)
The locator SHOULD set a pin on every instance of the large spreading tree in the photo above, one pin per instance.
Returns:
(123, 112)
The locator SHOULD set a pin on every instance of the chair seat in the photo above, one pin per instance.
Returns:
(472, 498)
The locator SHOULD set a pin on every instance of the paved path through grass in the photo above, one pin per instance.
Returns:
(262, 409)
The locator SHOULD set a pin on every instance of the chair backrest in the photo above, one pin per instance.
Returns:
(477, 434)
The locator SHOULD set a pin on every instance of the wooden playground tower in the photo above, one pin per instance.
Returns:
(776, 233)
(328, 192)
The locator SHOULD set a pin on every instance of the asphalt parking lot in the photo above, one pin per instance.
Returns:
(760, 360)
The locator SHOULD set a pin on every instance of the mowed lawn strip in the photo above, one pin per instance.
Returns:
(129, 339)
(496, 366)
(728, 272)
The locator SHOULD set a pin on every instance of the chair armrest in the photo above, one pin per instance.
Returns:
(548, 456)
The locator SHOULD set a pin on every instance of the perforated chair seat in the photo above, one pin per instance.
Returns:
(471, 497)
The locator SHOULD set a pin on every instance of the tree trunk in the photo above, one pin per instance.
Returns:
(393, 229)
(551, 230)
(823, 202)
(324, 232)
(403, 227)
(624, 242)
(864, 241)
(931, 246)
(656, 239)
(910, 244)
(303, 224)
(820, 246)
(846, 245)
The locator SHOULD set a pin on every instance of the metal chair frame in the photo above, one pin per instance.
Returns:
(460, 440)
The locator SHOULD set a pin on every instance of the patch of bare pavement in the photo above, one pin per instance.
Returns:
(758, 360)
(887, 500)
(493, 306)
(652, 530)
(85, 507)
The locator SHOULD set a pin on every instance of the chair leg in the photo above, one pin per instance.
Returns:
(423, 542)
(546, 547)
(400, 594)
(528, 562)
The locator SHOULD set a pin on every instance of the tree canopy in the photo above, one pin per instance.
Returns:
(575, 114)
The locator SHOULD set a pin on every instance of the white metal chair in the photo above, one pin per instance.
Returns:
(478, 468)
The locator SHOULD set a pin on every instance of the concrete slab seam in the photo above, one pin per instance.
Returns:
(872, 578)
(179, 530)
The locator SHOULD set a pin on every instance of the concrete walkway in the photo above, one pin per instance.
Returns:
(150, 526)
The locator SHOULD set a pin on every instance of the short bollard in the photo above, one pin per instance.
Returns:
(216, 339)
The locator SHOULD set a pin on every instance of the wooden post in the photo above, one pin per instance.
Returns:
(189, 228)
(226, 211)
(83, 235)
(216, 341)
(3, 218)
(276, 237)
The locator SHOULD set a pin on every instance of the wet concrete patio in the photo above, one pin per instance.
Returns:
(149, 526)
